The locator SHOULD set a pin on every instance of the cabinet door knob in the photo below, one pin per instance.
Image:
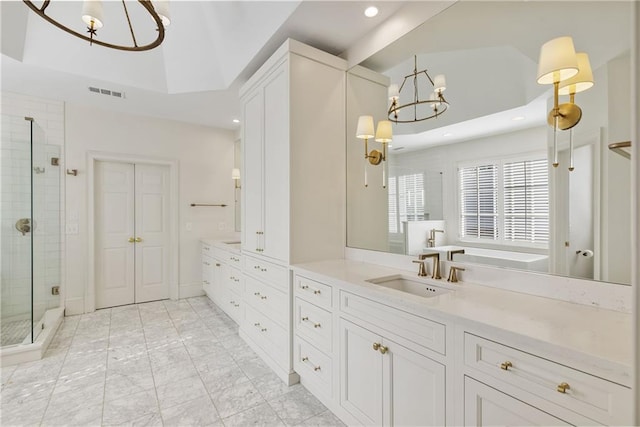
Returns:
(376, 346)
(506, 365)
(383, 349)
(563, 387)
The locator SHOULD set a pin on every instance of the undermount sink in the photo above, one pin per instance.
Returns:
(409, 285)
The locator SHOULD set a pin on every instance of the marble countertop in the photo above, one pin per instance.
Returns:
(596, 337)
(226, 244)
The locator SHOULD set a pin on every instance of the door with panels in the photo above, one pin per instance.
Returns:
(132, 233)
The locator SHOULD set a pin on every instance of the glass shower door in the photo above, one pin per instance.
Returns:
(15, 232)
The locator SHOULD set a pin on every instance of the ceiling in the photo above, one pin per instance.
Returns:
(210, 50)
(487, 50)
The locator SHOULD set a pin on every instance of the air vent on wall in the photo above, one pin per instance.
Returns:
(106, 92)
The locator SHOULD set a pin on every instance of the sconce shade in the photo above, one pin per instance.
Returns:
(439, 83)
(581, 81)
(92, 11)
(384, 132)
(558, 61)
(365, 127)
(162, 9)
(235, 173)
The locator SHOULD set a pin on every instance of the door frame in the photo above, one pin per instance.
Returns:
(174, 263)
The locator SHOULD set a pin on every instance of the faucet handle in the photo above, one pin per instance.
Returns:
(422, 270)
(453, 276)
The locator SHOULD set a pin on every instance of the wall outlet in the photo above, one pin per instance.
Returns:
(55, 290)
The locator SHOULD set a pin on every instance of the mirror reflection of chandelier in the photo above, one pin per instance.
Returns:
(92, 16)
(422, 106)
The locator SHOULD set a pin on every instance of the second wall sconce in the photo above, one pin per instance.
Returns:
(569, 73)
(384, 135)
(235, 175)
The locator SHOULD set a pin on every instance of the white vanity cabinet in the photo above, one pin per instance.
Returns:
(293, 135)
(497, 374)
(385, 378)
(222, 278)
(207, 268)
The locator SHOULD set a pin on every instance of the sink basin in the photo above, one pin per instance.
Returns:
(409, 285)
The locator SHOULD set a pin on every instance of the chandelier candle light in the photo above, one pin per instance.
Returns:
(435, 101)
(92, 16)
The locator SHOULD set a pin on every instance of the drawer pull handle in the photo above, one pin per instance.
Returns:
(376, 346)
(315, 325)
(315, 368)
(236, 305)
(217, 264)
(563, 387)
(263, 297)
(383, 349)
(206, 263)
(506, 365)
(316, 292)
(257, 294)
(232, 302)
(305, 287)
(256, 267)
(259, 326)
(206, 248)
(263, 269)
(207, 282)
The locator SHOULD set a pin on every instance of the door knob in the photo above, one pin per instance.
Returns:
(138, 239)
(131, 240)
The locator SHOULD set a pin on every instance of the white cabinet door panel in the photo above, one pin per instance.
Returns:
(252, 183)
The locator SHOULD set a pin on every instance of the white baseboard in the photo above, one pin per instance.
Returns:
(74, 306)
(191, 290)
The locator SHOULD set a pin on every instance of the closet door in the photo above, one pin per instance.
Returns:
(151, 232)
(114, 233)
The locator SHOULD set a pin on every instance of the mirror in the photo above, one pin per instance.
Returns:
(478, 178)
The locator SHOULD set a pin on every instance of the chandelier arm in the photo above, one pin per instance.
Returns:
(126, 12)
(444, 104)
(145, 3)
(45, 4)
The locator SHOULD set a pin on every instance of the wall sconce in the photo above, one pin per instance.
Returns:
(560, 63)
(235, 175)
(383, 135)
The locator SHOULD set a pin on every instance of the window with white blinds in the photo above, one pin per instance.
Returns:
(505, 201)
(479, 202)
(526, 201)
(406, 200)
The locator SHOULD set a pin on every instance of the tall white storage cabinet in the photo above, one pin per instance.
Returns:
(293, 187)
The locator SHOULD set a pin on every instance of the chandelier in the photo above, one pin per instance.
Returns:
(422, 107)
(92, 16)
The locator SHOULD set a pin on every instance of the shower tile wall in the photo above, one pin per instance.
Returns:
(15, 203)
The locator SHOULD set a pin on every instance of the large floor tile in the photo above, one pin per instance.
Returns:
(178, 392)
(198, 412)
(235, 399)
(261, 415)
(296, 407)
(127, 409)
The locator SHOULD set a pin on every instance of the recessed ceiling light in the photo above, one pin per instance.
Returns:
(371, 11)
(236, 121)
(517, 118)
(447, 134)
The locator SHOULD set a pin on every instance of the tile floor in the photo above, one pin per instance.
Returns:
(172, 363)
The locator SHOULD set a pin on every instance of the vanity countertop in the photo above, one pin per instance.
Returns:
(599, 338)
(226, 244)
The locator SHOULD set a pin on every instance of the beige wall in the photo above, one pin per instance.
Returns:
(204, 156)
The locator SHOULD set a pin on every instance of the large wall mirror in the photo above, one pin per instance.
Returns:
(477, 183)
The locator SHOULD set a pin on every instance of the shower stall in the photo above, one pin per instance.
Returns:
(30, 235)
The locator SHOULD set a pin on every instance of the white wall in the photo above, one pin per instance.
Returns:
(205, 157)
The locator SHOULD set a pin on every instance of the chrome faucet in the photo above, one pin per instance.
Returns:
(435, 271)
(431, 241)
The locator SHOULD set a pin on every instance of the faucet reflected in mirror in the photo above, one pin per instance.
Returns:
(431, 241)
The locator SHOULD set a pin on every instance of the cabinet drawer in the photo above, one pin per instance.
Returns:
(235, 281)
(232, 305)
(267, 300)
(314, 292)
(314, 324)
(268, 335)
(593, 397)
(265, 271)
(424, 332)
(231, 258)
(312, 365)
